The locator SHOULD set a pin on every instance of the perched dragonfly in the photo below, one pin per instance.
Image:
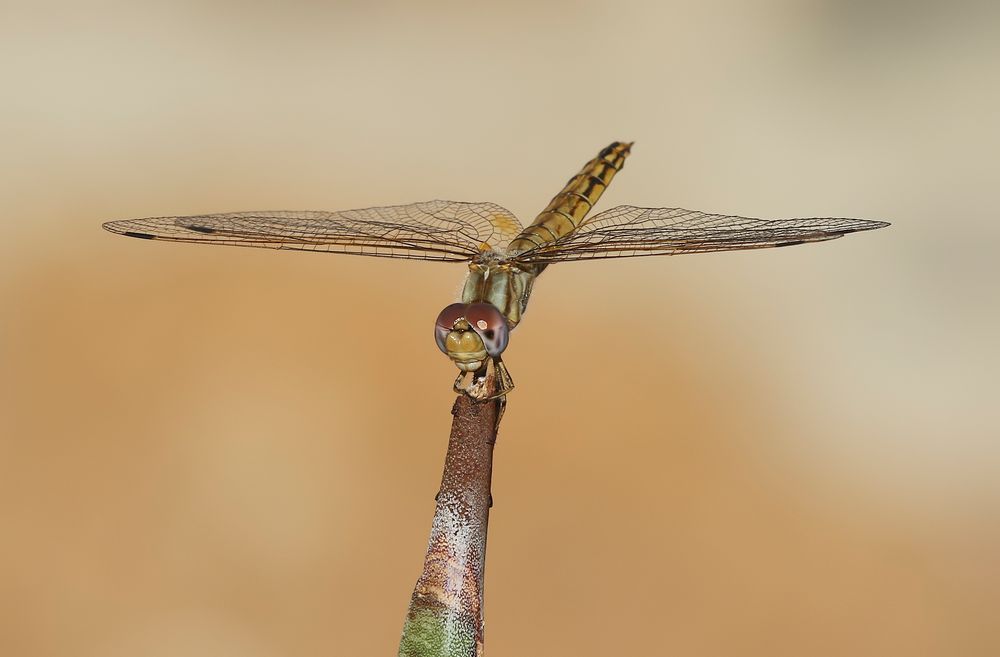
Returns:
(503, 258)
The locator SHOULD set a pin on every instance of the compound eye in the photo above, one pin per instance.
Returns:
(491, 326)
(445, 321)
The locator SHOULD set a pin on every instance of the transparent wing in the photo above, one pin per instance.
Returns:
(627, 231)
(433, 230)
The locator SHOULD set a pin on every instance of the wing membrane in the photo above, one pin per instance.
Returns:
(627, 231)
(432, 230)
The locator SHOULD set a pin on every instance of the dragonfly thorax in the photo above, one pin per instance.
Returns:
(502, 284)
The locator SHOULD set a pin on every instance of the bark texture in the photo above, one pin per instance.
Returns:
(445, 618)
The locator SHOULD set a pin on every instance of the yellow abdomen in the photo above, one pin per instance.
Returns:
(565, 212)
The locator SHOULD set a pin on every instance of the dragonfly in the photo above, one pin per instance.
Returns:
(503, 258)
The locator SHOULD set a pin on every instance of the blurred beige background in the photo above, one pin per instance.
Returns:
(209, 451)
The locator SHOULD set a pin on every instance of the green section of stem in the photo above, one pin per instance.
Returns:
(436, 633)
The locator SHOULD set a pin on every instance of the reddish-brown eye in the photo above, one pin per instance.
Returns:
(445, 321)
(490, 324)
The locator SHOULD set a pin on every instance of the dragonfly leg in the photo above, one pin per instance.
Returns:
(501, 407)
(484, 387)
(476, 386)
(500, 383)
(504, 381)
(459, 385)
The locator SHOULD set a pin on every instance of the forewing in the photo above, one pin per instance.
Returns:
(432, 230)
(628, 231)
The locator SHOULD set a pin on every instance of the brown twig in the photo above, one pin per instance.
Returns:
(445, 618)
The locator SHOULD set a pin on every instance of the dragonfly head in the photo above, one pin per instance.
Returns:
(469, 333)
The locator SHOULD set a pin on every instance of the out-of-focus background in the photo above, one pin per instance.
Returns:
(210, 451)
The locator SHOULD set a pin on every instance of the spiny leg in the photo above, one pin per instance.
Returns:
(501, 407)
(457, 386)
(477, 389)
(505, 382)
(485, 387)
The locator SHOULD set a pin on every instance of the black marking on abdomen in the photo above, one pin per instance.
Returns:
(576, 198)
(579, 196)
(609, 150)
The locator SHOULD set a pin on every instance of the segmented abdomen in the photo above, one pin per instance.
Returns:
(565, 212)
